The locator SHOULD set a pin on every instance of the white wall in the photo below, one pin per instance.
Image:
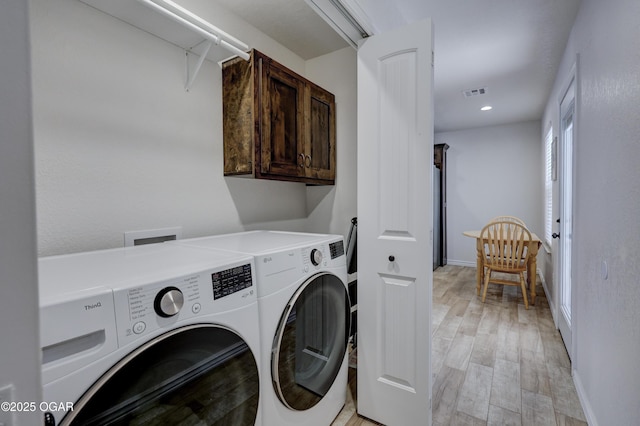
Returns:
(120, 145)
(330, 208)
(382, 15)
(606, 36)
(19, 335)
(491, 171)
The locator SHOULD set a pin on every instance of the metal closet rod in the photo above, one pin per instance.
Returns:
(213, 33)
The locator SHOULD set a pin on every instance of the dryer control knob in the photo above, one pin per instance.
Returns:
(316, 257)
(168, 302)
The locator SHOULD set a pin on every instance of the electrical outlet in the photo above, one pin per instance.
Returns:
(6, 396)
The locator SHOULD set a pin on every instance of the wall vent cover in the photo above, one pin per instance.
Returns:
(151, 236)
(474, 92)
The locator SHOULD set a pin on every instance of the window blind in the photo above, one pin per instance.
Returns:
(548, 186)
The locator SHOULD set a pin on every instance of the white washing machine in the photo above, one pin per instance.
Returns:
(304, 311)
(151, 335)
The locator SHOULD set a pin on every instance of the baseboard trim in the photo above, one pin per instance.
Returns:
(584, 400)
(461, 263)
(549, 299)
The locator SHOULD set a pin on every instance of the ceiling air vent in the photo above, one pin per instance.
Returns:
(474, 92)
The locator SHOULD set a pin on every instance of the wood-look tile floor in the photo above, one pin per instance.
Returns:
(493, 363)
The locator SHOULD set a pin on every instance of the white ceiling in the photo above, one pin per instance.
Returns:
(511, 47)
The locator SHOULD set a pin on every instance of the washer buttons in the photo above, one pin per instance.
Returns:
(139, 327)
(196, 308)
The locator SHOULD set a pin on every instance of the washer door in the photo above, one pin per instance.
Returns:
(310, 342)
(198, 375)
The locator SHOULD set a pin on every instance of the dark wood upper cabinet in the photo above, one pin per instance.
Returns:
(277, 124)
(320, 157)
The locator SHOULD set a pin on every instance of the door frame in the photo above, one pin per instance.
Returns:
(571, 83)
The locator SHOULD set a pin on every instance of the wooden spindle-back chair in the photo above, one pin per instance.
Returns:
(513, 219)
(506, 250)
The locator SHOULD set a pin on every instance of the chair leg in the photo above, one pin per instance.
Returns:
(523, 286)
(487, 276)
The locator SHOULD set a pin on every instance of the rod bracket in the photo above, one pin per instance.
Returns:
(191, 76)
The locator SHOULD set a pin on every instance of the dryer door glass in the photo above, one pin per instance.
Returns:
(311, 341)
(197, 375)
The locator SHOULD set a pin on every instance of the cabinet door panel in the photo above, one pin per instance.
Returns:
(282, 148)
(283, 123)
(238, 117)
(320, 147)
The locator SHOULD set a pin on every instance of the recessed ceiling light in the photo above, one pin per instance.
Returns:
(486, 108)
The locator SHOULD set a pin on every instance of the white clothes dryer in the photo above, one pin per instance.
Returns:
(304, 311)
(152, 335)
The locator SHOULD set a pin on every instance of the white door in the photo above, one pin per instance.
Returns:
(395, 154)
(567, 127)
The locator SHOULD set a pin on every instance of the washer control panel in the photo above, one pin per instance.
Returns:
(336, 249)
(143, 309)
(231, 281)
(280, 268)
(323, 255)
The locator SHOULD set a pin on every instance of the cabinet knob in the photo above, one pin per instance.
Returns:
(392, 258)
(301, 160)
(307, 161)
